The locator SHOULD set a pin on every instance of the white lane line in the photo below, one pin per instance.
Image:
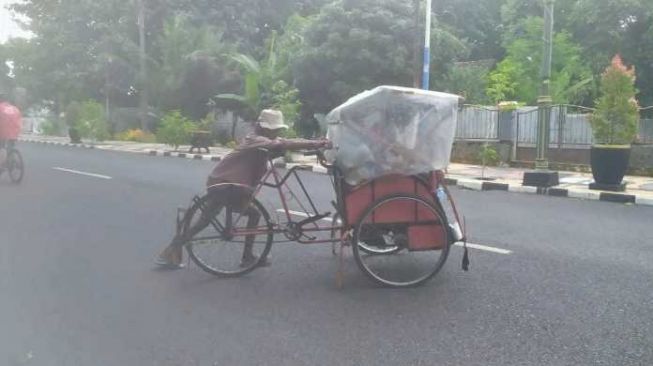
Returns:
(82, 173)
(302, 214)
(469, 245)
(485, 248)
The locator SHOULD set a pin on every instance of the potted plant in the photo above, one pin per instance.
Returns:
(614, 124)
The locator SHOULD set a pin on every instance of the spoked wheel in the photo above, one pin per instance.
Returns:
(416, 230)
(218, 248)
(15, 166)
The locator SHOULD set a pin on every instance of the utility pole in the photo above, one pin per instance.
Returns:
(143, 92)
(427, 48)
(542, 177)
(417, 74)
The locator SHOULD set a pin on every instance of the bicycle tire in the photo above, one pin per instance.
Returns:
(436, 210)
(201, 262)
(15, 165)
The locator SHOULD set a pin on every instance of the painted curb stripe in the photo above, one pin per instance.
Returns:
(492, 186)
(616, 197)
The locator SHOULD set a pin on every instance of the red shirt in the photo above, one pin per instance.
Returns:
(11, 122)
(247, 164)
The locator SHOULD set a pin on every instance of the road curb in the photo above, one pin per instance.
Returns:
(465, 183)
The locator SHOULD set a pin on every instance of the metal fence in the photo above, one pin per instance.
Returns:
(477, 123)
(646, 125)
(570, 125)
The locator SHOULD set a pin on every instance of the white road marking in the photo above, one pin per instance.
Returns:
(100, 176)
(485, 248)
(302, 214)
(469, 245)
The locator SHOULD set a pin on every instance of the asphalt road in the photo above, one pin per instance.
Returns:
(77, 285)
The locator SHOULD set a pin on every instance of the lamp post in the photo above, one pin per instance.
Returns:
(427, 48)
(542, 177)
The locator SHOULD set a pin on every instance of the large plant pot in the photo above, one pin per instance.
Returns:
(74, 135)
(609, 164)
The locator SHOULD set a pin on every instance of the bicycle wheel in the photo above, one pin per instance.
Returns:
(418, 230)
(219, 250)
(15, 166)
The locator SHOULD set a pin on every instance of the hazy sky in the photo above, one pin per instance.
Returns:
(8, 28)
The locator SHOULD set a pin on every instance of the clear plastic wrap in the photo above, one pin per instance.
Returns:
(392, 130)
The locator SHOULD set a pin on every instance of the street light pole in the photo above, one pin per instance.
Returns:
(542, 177)
(544, 101)
(427, 48)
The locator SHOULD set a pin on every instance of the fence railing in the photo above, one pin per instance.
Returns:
(570, 125)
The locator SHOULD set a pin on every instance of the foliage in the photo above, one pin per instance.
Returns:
(354, 45)
(488, 155)
(50, 128)
(468, 80)
(191, 69)
(175, 129)
(517, 76)
(136, 135)
(91, 121)
(286, 99)
(615, 120)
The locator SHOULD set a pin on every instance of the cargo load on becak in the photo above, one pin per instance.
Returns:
(392, 130)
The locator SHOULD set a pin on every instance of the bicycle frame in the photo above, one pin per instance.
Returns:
(279, 182)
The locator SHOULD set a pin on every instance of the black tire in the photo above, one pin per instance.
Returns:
(195, 248)
(403, 263)
(15, 166)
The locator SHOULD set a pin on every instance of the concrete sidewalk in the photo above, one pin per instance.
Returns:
(572, 184)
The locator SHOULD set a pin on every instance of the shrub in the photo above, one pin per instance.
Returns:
(175, 129)
(136, 135)
(615, 120)
(91, 121)
(488, 155)
(50, 128)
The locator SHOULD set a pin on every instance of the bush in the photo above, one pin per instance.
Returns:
(175, 129)
(488, 155)
(50, 128)
(615, 119)
(136, 135)
(90, 121)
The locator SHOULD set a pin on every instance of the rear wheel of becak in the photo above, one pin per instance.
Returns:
(417, 230)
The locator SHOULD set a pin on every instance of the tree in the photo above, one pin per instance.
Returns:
(190, 69)
(517, 76)
(353, 45)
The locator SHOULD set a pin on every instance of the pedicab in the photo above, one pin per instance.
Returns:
(391, 204)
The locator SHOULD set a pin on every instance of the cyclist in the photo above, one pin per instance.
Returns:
(241, 170)
(11, 122)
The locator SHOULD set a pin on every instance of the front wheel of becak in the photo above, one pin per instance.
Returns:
(417, 230)
(218, 248)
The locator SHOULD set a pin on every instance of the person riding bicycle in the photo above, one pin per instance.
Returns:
(233, 179)
(11, 123)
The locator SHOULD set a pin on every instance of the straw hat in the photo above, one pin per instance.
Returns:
(271, 119)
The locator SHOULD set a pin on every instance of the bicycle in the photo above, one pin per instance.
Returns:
(14, 164)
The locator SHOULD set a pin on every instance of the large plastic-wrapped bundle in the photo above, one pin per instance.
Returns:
(392, 130)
